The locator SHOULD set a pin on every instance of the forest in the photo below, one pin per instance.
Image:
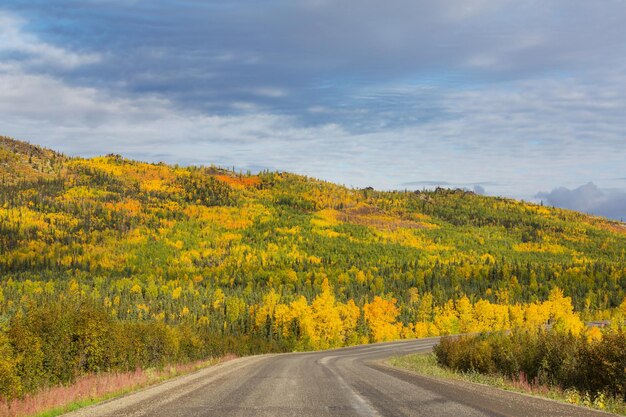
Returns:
(112, 264)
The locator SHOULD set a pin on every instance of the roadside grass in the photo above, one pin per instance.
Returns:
(95, 388)
(426, 364)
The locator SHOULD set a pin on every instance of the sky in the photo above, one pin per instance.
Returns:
(524, 99)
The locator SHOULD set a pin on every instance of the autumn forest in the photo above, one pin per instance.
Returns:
(112, 264)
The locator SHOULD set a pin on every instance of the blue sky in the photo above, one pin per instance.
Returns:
(517, 98)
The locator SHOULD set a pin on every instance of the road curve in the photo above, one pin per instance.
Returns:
(342, 382)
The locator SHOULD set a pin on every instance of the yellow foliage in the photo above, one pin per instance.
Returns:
(218, 299)
(328, 325)
(562, 313)
(267, 308)
(537, 315)
(543, 247)
(465, 313)
(516, 316)
(239, 182)
(349, 314)
(314, 259)
(380, 315)
(325, 218)
(446, 319)
(593, 334)
(327, 232)
(410, 238)
(301, 311)
(74, 287)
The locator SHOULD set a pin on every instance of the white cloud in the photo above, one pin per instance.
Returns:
(589, 198)
(270, 92)
(34, 52)
(528, 137)
(540, 133)
(83, 120)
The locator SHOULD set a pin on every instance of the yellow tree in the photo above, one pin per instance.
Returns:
(381, 316)
(536, 315)
(328, 326)
(267, 308)
(349, 314)
(425, 309)
(516, 316)
(562, 313)
(465, 311)
(300, 311)
(424, 329)
(283, 317)
(446, 319)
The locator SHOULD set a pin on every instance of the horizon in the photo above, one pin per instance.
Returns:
(516, 99)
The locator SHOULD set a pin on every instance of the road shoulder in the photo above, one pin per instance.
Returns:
(487, 398)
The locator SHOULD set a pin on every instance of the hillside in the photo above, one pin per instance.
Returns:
(281, 261)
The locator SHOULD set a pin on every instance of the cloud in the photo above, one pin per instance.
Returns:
(377, 95)
(479, 189)
(312, 53)
(526, 140)
(589, 198)
(427, 183)
(269, 92)
(91, 121)
(28, 50)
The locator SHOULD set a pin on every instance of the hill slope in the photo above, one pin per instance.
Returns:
(153, 224)
(240, 254)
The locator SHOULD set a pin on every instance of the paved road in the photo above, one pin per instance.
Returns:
(343, 382)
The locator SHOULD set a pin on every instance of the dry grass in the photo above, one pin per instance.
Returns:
(92, 388)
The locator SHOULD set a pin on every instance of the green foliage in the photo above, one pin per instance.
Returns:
(124, 264)
(550, 358)
(56, 342)
(10, 383)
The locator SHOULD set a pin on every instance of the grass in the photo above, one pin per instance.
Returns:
(94, 388)
(426, 364)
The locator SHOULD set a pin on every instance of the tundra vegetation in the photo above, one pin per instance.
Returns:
(109, 264)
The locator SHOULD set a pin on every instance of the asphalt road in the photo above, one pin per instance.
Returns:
(343, 382)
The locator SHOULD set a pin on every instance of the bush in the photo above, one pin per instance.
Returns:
(550, 358)
(57, 342)
(10, 385)
(605, 362)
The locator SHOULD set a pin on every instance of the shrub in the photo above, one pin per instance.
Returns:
(549, 358)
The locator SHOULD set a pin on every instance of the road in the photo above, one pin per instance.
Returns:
(343, 382)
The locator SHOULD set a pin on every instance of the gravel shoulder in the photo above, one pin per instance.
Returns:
(489, 398)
